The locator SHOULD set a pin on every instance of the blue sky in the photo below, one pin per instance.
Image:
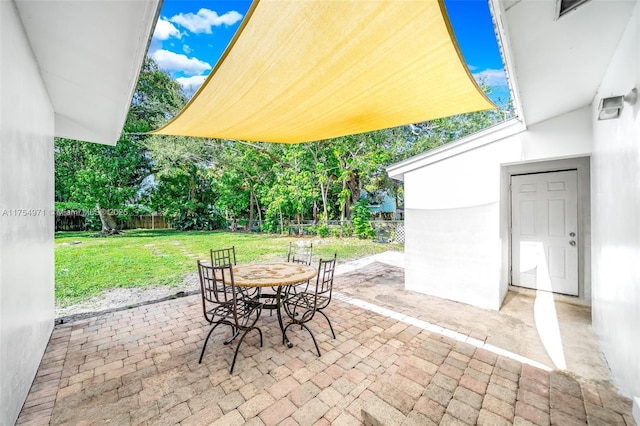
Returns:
(191, 35)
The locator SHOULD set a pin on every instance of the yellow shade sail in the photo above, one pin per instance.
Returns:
(305, 70)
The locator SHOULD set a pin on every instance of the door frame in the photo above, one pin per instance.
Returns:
(582, 165)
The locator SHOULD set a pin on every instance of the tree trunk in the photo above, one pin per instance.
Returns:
(315, 212)
(251, 197)
(109, 226)
(354, 187)
(343, 211)
(259, 211)
(323, 192)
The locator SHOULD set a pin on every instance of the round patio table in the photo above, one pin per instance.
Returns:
(277, 275)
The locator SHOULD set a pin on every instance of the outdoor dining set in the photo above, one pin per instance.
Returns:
(235, 295)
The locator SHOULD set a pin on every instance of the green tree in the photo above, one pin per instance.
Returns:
(185, 197)
(294, 179)
(69, 157)
(110, 178)
(324, 168)
(183, 187)
(244, 172)
(361, 160)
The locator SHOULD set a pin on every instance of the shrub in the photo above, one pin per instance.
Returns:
(203, 221)
(360, 216)
(323, 230)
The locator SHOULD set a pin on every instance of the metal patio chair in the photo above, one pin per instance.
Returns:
(227, 256)
(222, 257)
(299, 253)
(301, 306)
(225, 303)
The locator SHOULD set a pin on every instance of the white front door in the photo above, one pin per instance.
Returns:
(544, 233)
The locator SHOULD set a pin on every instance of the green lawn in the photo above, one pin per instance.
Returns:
(86, 265)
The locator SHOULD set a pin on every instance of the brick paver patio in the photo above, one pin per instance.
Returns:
(140, 366)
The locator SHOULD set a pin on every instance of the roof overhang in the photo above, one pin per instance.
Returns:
(468, 143)
(90, 54)
(556, 64)
(309, 70)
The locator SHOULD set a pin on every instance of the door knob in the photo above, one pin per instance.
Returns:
(573, 243)
(572, 234)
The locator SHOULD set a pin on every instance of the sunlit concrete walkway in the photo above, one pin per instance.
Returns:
(398, 358)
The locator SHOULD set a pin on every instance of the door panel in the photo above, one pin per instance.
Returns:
(544, 215)
(528, 218)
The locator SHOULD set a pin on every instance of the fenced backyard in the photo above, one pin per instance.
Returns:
(386, 231)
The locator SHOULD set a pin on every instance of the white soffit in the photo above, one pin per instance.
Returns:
(460, 146)
(90, 54)
(559, 64)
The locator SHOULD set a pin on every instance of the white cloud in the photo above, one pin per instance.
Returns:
(491, 77)
(191, 84)
(205, 19)
(177, 62)
(165, 30)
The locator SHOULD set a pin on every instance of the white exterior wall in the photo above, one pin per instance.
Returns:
(616, 218)
(456, 216)
(26, 242)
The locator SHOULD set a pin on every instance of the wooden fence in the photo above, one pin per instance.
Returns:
(144, 222)
(80, 223)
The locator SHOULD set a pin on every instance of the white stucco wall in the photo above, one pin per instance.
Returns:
(616, 218)
(455, 214)
(26, 225)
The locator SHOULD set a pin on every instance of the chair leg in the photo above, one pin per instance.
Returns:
(259, 332)
(207, 340)
(330, 326)
(301, 327)
(284, 333)
(313, 338)
(235, 355)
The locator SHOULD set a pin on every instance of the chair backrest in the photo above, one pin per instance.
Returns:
(300, 253)
(214, 293)
(214, 286)
(326, 270)
(223, 257)
(218, 288)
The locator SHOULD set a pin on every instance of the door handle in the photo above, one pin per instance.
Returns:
(572, 234)
(573, 243)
